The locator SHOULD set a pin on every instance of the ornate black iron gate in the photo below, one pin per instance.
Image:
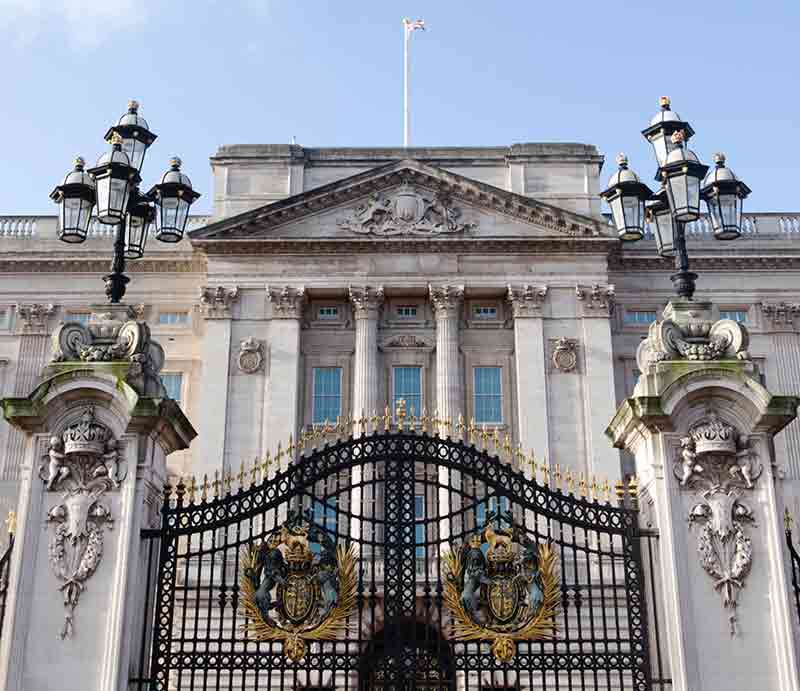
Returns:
(397, 561)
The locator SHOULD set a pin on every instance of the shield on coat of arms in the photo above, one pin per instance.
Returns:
(298, 597)
(407, 206)
(503, 599)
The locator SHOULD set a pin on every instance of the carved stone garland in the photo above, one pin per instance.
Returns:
(83, 463)
(716, 463)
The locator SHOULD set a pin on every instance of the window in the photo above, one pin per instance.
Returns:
(737, 315)
(419, 532)
(173, 383)
(328, 313)
(406, 311)
(80, 317)
(327, 394)
(488, 395)
(325, 516)
(5, 318)
(173, 318)
(640, 316)
(408, 385)
(484, 312)
(490, 506)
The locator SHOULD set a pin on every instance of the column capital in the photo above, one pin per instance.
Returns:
(526, 300)
(216, 301)
(287, 301)
(34, 317)
(596, 300)
(780, 316)
(446, 300)
(366, 300)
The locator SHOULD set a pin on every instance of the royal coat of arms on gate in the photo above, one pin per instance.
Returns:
(297, 585)
(506, 593)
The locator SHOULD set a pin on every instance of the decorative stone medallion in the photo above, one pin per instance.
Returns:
(251, 355)
(565, 355)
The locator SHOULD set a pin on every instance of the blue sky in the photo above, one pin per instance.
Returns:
(213, 72)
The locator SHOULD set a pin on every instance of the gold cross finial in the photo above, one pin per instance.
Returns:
(787, 519)
(11, 522)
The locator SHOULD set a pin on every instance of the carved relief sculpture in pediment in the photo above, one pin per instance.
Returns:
(406, 211)
(716, 463)
(83, 463)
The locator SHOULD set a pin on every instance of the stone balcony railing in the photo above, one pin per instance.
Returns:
(44, 228)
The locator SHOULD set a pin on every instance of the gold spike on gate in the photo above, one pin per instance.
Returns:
(242, 475)
(279, 457)
(192, 488)
(204, 489)
(484, 437)
(472, 431)
(606, 489)
(216, 484)
(507, 446)
(583, 486)
(557, 477)
(400, 414)
(594, 487)
(374, 420)
(570, 480)
(290, 449)
(496, 441)
(520, 455)
(265, 466)
(436, 422)
(254, 472)
(424, 421)
(228, 481)
(448, 427)
(387, 419)
(461, 428)
(412, 420)
(619, 489)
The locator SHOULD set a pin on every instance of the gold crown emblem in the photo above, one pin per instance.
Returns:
(501, 554)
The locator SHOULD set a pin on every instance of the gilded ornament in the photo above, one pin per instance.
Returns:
(506, 594)
(291, 595)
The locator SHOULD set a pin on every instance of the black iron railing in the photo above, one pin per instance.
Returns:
(5, 563)
(661, 678)
(795, 560)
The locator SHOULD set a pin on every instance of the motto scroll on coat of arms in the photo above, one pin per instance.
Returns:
(506, 593)
(314, 594)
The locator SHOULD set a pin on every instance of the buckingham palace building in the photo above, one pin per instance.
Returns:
(437, 446)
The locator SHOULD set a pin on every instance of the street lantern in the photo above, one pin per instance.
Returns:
(724, 194)
(664, 124)
(136, 136)
(172, 196)
(76, 196)
(626, 195)
(659, 216)
(683, 173)
(113, 184)
(114, 177)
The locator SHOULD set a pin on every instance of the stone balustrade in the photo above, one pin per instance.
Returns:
(45, 227)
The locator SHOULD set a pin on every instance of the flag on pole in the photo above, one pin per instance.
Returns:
(414, 24)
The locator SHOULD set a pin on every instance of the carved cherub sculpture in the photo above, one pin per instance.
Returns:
(56, 470)
(111, 461)
(689, 465)
(744, 465)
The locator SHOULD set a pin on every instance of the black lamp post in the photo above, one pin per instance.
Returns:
(112, 186)
(683, 184)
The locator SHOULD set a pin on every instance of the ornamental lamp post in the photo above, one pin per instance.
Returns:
(112, 186)
(684, 184)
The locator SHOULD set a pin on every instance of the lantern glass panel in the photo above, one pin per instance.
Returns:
(661, 147)
(136, 229)
(683, 191)
(725, 210)
(135, 149)
(172, 214)
(74, 219)
(112, 198)
(664, 230)
(633, 209)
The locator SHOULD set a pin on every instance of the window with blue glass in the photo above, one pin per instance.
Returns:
(737, 315)
(490, 506)
(408, 385)
(488, 395)
(173, 383)
(640, 316)
(324, 513)
(327, 394)
(419, 531)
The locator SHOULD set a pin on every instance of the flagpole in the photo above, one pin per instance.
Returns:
(406, 119)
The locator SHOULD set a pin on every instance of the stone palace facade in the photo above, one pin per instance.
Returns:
(476, 281)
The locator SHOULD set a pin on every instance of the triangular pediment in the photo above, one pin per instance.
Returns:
(407, 200)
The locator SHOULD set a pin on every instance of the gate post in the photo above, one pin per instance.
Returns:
(97, 431)
(701, 426)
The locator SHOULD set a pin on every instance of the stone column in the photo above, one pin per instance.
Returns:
(527, 303)
(34, 347)
(215, 307)
(701, 427)
(447, 302)
(367, 302)
(283, 397)
(595, 307)
(781, 319)
(96, 437)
